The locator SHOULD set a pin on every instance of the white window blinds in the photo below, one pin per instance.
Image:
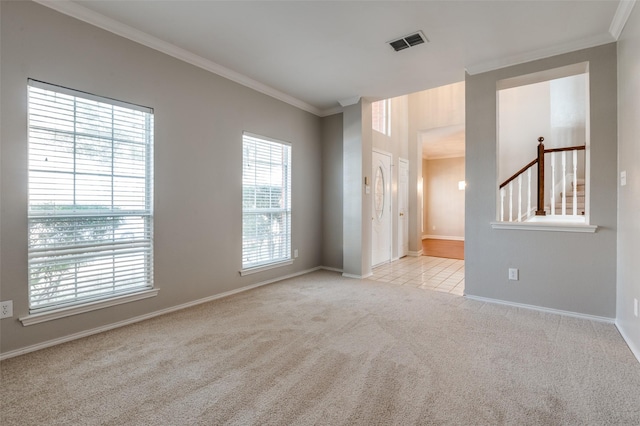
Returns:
(90, 197)
(266, 202)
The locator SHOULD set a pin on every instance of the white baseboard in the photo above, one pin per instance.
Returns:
(415, 253)
(329, 268)
(358, 277)
(150, 315)
(543, 309)
(632, 346)
(442, 237)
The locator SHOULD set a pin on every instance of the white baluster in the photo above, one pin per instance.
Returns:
(502, 194)
(575, 182)
(553, 183)
(564, 183)
(511, 202)
(529, 193)
(519, 198)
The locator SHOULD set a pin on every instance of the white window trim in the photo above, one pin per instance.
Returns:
(388, 117)
(68, 308)
(55, 314)
(558, 223)
(284, 262)
(261, 268)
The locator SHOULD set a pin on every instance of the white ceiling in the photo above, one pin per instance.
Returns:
(313, 54)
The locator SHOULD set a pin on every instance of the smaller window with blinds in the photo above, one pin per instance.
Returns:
(266, 203)
(381, 116)
(90, 197)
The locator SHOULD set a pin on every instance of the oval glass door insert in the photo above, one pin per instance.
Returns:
(378, 195)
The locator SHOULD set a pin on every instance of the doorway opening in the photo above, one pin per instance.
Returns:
(423, 134)
(442, 140)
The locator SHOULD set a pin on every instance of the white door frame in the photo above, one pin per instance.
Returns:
(403, 224)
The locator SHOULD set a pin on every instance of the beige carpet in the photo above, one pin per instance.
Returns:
(321, 349)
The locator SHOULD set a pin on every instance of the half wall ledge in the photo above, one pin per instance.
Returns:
(546, 226)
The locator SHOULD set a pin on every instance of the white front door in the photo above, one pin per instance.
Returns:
(381, 209)
(403, 207)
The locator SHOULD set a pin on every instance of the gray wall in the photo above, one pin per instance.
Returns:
(568, 271)
(199, 121)
(332, 191)
(356, 211)
(629, 195)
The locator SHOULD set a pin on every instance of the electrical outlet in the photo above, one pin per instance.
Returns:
(513, 274)
(295, 254)
(635, 307)
(6, 309)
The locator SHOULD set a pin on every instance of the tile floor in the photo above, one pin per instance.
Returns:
(426, 272)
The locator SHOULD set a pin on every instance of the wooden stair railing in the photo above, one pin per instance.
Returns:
(540, 161)
(540, 211)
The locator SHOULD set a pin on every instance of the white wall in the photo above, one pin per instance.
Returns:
(568, 271)
(568, 98)
(523, 116)
(397, 143)
(628, 248)
(199, 119)
(443, 201)
(438, 107)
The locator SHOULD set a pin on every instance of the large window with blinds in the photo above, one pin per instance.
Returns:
(90, 197)
(266, 202)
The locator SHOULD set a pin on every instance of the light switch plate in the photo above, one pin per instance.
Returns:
(623, 178)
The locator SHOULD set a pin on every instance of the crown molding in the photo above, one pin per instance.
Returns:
(540, 54)
(331, 111)
(620, 18)
(349, 101)
(98, 20)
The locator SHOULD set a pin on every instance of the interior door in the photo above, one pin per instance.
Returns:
(403, 207)
(381, 209)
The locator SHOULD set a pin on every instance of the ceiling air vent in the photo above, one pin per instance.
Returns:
(408, 41)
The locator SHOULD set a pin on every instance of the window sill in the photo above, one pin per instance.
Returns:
(257, 269)
(559, 226)
(37, 318)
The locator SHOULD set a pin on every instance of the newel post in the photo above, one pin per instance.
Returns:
(540, 211)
